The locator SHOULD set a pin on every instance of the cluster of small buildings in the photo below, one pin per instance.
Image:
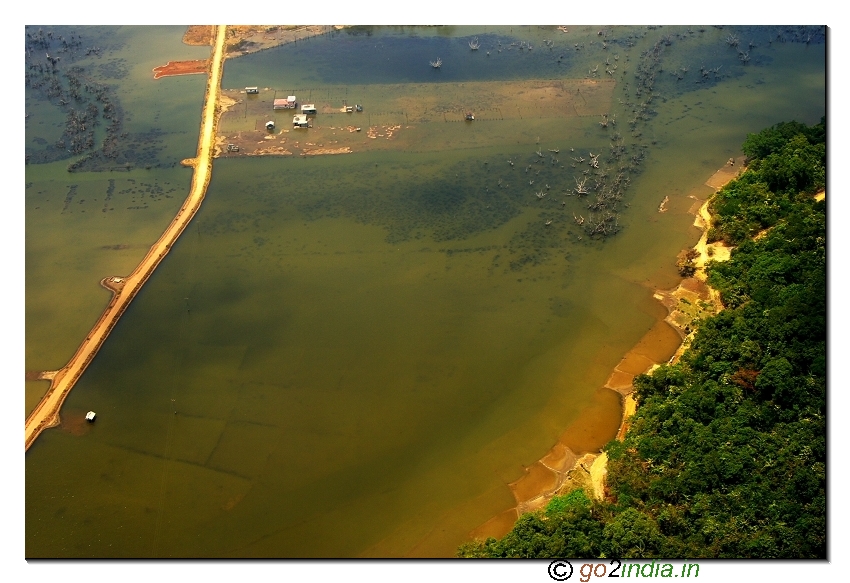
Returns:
(307, 109)
(298, 121)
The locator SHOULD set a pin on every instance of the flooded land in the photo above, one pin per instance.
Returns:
(373, 342)
(406, 116)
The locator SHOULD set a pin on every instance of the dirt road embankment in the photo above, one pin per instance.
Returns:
(46, 413)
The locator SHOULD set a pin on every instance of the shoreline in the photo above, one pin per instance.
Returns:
(691, 299)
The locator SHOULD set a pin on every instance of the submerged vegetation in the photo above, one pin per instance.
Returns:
(726, 455)
(65, 69)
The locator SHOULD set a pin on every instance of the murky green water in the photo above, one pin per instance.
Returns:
(353, 355)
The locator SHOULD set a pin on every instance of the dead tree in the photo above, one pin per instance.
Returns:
(580, 188)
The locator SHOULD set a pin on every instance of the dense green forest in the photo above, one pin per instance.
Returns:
(726, 455)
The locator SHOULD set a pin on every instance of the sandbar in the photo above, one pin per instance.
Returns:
(173, 68)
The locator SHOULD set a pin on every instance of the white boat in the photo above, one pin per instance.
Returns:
(90, 416)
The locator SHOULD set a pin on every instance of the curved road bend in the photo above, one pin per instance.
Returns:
(46, 414)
